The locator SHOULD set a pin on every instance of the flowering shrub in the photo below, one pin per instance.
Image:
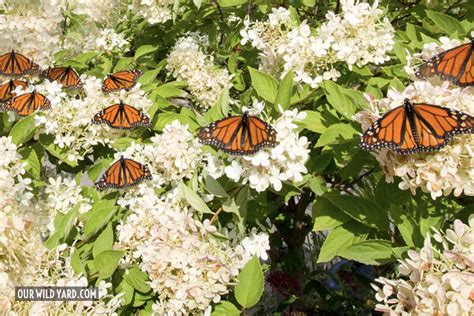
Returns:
(440, 276)
(302, 226)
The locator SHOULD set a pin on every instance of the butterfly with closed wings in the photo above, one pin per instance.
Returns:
(123, 173)
(16, 64)
(239, 135)
(122, 80)
(416, 127)
(121, 116)
(455, 65)
(7, 89)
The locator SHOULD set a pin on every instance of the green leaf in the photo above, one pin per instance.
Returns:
(107, 261)
(225, 308)
(33, 165)
(193, 198)
(149, 76)
(339, 100)
(265, 85)
(23, 130)
(337, 134)
(230, 3)
(341, 237)
(284, 92)
(138, 279)
(318, 185)
(214, 187)
(63, 228)
(104, 241)
(250, 287)
(445, 22)
(145, 50)
(170, 89)
(361, 209)
(314, 121)
(368, 251)
(86, 57)
(326, 216)
(98, 217)
(197, 3)
(76, 262)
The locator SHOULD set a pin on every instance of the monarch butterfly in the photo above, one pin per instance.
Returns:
(6, 89)
(121, 80)
(67, 76)
(455, 65)
(122, 174)
(416, 127)
(25, 104)
(239, 135)
(16, 64)
(121, 116)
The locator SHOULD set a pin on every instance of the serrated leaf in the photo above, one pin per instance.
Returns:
(107, 261)
(284, 92)
(98, 217)
(265, 85)
(23, 130)
(339, 100)
(368, 252)
(193, 198)
(145, 50)
(138, 279)
(104, 241)
(337, 134)
(250, 284)
(225, 308)
(445, 22)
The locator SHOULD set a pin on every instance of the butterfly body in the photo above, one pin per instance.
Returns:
(122, 80)
(121, 116)
(455, 65)
(416, 127)
(16, 64)
(123, 173)
(27, 103)
(239, 135)
(6, 89)
(67, 76)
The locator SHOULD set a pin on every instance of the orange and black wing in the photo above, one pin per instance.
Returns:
(455, 65)
(16, 64)
(392, 130)
(67, 76)
(122, 174)
(27, 103)
(121, 80)
(6, 89)
(239, 135)
(121, 116)
(436, 125)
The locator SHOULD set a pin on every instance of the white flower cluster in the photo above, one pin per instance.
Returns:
(272, 166)
(100, 11)
(187, 62)
(154, 11)
(171, 156)
(189, 268)
(437, 280)
(357, 36)
(256, 244)
(69, 119)
(61, 194)
(13, 185)
(34, 33)
(446, 171)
